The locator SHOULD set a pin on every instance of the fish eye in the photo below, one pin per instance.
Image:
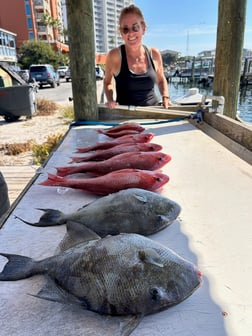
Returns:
(154, 293)
(158, 179)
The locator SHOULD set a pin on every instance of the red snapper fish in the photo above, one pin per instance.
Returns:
(122, 127)
(104, 154)
(119, 133)
(132, 138)
(111, 182)
(135, 160)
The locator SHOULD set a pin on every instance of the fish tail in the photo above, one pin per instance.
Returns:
(53, 180)
(75, 159)
(64, 171)
(51, 217)
(78, 159)
(18, 267)
(83, 149)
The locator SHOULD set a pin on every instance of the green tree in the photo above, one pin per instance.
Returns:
(169, 58)
(38, 52)
(55, 24)
(48, 21)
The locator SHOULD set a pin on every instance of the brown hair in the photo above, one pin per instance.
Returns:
(132, 9)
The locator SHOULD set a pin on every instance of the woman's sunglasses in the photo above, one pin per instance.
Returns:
(135, 28)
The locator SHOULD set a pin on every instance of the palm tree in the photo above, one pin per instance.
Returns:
(55, 24)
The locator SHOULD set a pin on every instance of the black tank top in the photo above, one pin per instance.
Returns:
(136, 89)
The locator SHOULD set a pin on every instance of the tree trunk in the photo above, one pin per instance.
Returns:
(230, 37)
(82, 58)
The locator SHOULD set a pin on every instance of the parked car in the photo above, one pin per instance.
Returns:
(99, 72)
(44, 74)
(62, 70)
(24, 74)
(68, 74)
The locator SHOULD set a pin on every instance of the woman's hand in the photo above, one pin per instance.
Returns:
(166, 102)
(111, 104)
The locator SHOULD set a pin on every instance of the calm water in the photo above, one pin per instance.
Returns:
(244, 103)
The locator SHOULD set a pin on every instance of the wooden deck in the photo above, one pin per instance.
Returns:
(17, 178)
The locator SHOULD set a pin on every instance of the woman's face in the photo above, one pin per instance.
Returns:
(132, 30)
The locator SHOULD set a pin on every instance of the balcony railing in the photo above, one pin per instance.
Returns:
(39, 3)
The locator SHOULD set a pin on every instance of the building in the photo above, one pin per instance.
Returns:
(207, 53)
(247, 53)
(7, 46)
(106, 14)
(24, 18)
(106, 31)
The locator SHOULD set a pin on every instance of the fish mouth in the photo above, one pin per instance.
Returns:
(160, 181)
(200, 275)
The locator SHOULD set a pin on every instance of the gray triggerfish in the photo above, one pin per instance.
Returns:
(126, 274)
(131, 210)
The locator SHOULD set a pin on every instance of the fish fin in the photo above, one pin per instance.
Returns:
(18, 267)
(24, 221)
(76, 233)
(127, 327)
(51, 217)
(53, 292)
(53, 180)
(140, 198)
(150, 256)
(85, 205)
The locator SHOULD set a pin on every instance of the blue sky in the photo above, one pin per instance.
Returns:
(186, 26)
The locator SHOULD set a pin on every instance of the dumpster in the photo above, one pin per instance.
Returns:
(16, 101)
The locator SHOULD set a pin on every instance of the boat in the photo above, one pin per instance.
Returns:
(192, 97)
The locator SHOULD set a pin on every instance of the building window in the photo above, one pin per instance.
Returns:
(31, 36)
(11, 42)
(27, 9)
(29, 23)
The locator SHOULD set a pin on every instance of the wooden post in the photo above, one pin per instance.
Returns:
(193, 69)
(245, 70)
(230, 37)
(82, 58)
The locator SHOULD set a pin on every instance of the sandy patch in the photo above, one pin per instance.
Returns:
(36, 129)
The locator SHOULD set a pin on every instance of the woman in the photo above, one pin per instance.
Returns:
(135, 67)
